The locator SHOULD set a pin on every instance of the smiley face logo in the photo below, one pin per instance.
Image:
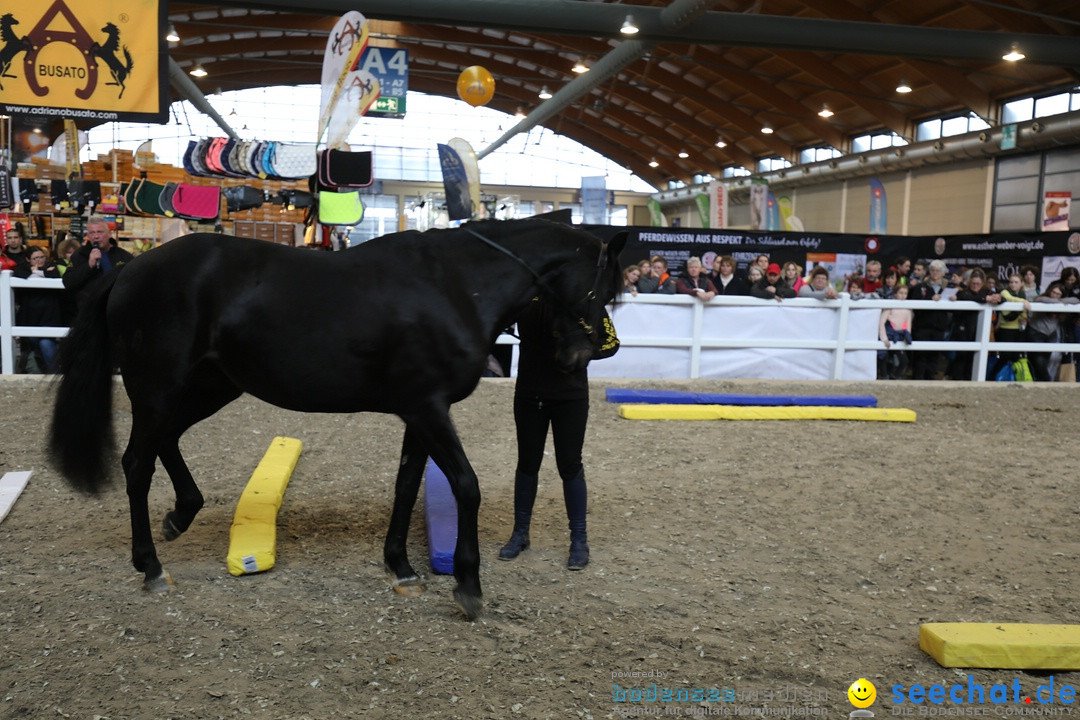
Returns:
(862, 693)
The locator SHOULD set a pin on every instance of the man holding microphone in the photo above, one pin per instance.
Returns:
(95, 258)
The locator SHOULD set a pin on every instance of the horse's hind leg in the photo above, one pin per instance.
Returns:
(206, 393)
(395, 555)
(138, 462)
(437, 433)
(156, 426)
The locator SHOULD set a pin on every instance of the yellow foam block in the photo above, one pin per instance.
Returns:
(253, 536)
(1009, 646)
(763, 412)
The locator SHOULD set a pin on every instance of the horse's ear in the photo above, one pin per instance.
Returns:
(615, 246)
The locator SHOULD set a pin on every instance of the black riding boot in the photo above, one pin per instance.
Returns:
(576, 496)
(524, 497)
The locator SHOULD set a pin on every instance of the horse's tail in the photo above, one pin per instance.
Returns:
(81, 434)
(129, 62)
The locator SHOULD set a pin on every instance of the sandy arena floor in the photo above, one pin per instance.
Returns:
(783, 560)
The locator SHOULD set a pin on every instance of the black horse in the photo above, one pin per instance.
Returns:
(110, 52)
(10, 45)
(402, 324)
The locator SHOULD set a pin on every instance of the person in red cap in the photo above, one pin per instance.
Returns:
(770, 287)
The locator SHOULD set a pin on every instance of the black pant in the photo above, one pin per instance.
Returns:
(1009, 335)
(1040, 362)
(567, 420)
(924, 364)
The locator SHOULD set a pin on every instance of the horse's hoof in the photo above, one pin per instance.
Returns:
(471, 605)
(161, 584)
(410, 586)
(169, 529)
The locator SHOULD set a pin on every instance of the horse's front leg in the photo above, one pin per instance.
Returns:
(395, 555)
(189, 501)
(440, 438)
(207, 390)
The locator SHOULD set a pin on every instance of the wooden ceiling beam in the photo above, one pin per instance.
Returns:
(770, 94)
(952, 80)
(858, 94)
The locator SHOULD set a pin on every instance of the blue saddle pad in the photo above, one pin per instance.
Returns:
(677, 397)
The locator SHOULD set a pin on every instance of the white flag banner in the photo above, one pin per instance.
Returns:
(347, 91)
(718, 205)
(472, 169)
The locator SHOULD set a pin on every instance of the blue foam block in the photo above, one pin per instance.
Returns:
(440, 516)
(676, 397)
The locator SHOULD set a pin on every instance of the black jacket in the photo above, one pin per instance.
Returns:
(736, 286)
(37, 308)
(928, 320)
(80, 275)
(760, 289)
(538, 375)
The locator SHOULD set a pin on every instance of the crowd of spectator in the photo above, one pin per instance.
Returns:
(903, 280)
(43, 307)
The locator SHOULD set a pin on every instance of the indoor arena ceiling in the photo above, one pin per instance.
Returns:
(697, 73)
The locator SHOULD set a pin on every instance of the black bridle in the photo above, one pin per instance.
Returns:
(571, 309)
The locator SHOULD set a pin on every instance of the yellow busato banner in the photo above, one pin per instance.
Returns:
(104, 60)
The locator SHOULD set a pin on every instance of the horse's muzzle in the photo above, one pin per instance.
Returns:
(573, 358)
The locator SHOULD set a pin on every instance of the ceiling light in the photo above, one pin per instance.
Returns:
(628, 26)
(519, 113)
(545, 94)
(720, 143)
(1014, 54)
(825, 112)
(172, 36)
(767, 130)
(197, 71)
(683, 154)
(580, 67)
(903, 87)
(653, 163)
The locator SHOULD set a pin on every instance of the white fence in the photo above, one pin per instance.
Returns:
(744, 337)
(8, 329)
(677, 336)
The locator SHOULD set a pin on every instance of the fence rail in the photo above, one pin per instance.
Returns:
(852, 331)
(841, 337)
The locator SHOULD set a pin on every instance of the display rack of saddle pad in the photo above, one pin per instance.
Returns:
(336, 184)
(187, 201)
(261, 180)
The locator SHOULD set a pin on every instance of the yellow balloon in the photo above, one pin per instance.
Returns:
(475, 85)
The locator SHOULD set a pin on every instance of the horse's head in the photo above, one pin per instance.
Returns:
(110, 29)
(583, 288)
(7, 20)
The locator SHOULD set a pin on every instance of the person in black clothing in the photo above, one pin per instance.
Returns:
(929, 324)
(37, 308)
(546, 396)
(725, 279)
(95, 258)
(1070, 279)
(771, 287)
(964, 323)
(13, 255)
